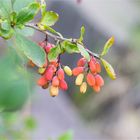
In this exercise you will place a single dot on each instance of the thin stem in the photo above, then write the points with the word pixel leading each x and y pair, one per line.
pixel 59 37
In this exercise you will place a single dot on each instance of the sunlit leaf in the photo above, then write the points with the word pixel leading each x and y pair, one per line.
pixel 107 46
pixel 82 34
pixel 83 52
pixel 109 69
pixel 66 136
pixel 49 18
pixel 43 7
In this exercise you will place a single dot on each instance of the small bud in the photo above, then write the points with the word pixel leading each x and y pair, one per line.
pixel 41 70
pixel 48 47
pixel 99 80
pixel 96 88
pixel 81 62
pixel 76 71
pixel 68 70
pixel 90 79
pixel 79 79
pixel 98 67
pixel 54 91
pixel 61 74
pixel 63 85
pixel 55 81
pixel 83 88
pixel 41 81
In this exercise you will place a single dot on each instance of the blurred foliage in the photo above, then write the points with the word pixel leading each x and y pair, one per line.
pixel 11 129
pixel 15 82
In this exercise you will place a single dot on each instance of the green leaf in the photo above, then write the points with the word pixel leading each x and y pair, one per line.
pixel 6 34
pixel 43 7
pixel 70 47
pixel 107 46
pixel 49 18
pixel 82 34
pixel 66 136
pixel 19 4
pixel 13 18
pixel 5 25
pixel 26 31
pixel 5 8
pixel 54 53
pixel 109 69
pixel 31 50
pixel 30 123
pixel 83 51
pixel 28 13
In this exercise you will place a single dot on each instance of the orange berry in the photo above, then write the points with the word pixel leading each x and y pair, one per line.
pixel 63 85
pixel 81 62
pixel 90 79
pixel 55 63
pixel 98 67
pixel 92 66
pixel 49 74
pixel 76 71
pixel 46 85
pixel 41 81
pixel 99 80
pixel 55 81
pixel 61 74
pixel 96 88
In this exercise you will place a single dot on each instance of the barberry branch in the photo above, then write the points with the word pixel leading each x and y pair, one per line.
pixel 59 37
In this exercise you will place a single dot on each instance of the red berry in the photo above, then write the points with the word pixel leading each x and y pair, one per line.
pixel 90 79
pixel 99 80
pixel 76 71
pixel 92 66
pixel 98 67
pixel 81 62
pixel 42 44
pixel 96 88
pixel 55 63
pixel 48 47
pixel 55 81
pixel 41 81
pixel 61 74
pixel 49 74
pixel 63 85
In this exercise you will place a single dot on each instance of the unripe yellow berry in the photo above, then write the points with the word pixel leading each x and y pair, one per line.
pixel 41 70
pixel 68 70
pixel 83 88
pixel 79 79
pixel 54 91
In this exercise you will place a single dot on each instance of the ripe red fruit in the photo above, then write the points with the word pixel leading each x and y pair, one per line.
pixel 76 71
pixel 41 81
pixel 55 63
pixel 90 79
pixel 61 74
pixel 55 81
pixel 92 66
pixel 42 44
pixel 99 80
pixel 96 88
pixel 63 85
pixel 81 62
pixel 98 67
pixel 48 47
pixel 49 74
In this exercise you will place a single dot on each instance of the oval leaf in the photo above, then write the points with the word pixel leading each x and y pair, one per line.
pixel 26 14
pixel 109 69
pixel 83 52
pixel 107 46
pixel 49 18
pixel 31 50
pixel 82 34
pixel 54 53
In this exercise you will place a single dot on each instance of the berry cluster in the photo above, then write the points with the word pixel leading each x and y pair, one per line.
pixel 90 71
pixel 52 75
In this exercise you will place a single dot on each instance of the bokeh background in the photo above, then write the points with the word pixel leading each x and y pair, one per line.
pixel 28 113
